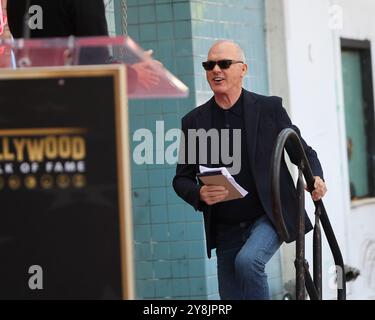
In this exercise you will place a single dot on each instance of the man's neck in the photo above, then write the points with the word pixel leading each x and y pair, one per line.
pixel 226 101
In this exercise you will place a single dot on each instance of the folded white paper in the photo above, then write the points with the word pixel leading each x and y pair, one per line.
pixel 224 171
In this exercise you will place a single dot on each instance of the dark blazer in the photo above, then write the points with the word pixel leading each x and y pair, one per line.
pixel 264 119
pixel 61 18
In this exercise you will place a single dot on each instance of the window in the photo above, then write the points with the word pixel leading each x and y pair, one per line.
pixel 359 116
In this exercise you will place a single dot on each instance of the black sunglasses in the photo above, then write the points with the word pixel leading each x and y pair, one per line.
pixel 223 64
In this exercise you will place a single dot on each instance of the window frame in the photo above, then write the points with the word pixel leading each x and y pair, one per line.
pixel 363 47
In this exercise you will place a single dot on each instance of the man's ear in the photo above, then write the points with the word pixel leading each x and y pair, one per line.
pixel 244 69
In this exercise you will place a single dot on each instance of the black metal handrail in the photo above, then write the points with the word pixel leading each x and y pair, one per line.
pixel 303 277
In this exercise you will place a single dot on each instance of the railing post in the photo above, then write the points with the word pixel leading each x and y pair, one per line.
pixel 303 277
pixel 339 262
pixel 310 286
pixel 300 245
pixel 317 254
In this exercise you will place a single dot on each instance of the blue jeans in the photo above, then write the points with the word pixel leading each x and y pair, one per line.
pixel 242 253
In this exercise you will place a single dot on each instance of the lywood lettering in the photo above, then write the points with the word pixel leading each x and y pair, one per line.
pixel 42 149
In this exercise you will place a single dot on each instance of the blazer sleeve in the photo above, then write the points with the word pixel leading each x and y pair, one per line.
pixel 185 181
pixel 284 122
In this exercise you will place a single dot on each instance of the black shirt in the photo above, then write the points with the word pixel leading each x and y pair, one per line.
pixel 248 208
pixel 61 18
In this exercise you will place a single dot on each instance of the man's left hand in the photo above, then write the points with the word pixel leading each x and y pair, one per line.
pixel 320 189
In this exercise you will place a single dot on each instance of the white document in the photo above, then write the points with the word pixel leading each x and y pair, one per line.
pixel 225 173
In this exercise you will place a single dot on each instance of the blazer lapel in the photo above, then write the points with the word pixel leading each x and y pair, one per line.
pixel 204 121
pixel 251 118
pixel 204 118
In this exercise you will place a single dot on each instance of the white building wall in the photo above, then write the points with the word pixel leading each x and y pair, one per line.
pixel 313 31
pixel 359 24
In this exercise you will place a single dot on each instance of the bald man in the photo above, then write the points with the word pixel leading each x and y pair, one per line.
pixel 247 124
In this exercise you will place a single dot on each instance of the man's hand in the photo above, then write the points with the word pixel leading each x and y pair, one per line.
pixel 213 194
pixel 320 189
pixel 147 77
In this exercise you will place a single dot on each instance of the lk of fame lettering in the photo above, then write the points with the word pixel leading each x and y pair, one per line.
pixel 48 158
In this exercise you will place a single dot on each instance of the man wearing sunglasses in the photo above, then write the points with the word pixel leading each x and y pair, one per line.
pixel 242 230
